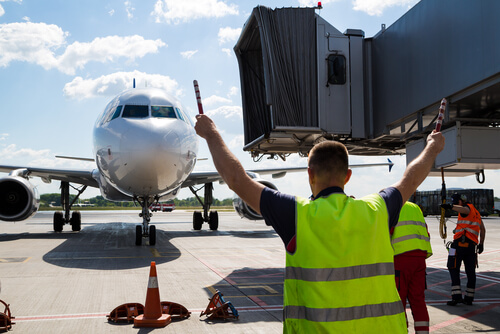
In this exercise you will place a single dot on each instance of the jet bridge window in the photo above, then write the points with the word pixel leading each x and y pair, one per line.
pixel 135 112
pixel 163 112
pixel 336 70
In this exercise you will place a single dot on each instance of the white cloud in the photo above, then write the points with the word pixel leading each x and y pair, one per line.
pixel 111 12
pixel 129 9
pixel 2 11
pixel 37 43
pixel 112 84
pixel 227 51
pixel 106 49
pixel 377 7
pixel 214 99
pixel 3 136
pixel 233 91
pixel 188 54
pixel 226 111
pixel 228 34
pixel 12 152
pixel 236 142
pixel 175 12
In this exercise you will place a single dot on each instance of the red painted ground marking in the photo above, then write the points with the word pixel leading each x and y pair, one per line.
pixel 439 293
pixel 258 301
pixel 463 317
pixel 224 277
pixel 102 315
pixel 485 286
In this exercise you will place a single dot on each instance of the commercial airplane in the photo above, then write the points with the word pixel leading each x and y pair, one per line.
pixel 145 149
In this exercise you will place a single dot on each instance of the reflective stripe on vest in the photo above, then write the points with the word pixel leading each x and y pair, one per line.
pixel 341 276
pixel 411 233
pixel 470 225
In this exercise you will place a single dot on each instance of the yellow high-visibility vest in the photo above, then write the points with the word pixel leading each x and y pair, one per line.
pixel 340 279
pixel 411 233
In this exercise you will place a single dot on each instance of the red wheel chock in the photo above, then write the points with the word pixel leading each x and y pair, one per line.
pixel 176 311
pixel 126 312
pixel 6 318
pixel 218 308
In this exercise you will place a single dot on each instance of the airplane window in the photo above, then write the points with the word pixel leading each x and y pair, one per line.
pixel 135 111
pixel 181 116
pixel 163 112
pixel 117 113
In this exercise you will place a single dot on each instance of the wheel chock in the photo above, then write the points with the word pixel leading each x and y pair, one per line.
pixel 126 312
pixel 218 308
pixel 176 311
pixel 6 318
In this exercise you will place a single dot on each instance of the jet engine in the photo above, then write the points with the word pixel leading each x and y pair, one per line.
pixel 246 211
pixel 18 198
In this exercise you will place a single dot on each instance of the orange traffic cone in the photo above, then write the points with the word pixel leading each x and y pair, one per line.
pixel 153 316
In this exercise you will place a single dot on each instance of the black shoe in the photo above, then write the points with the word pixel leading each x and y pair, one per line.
pixel 468 302
pixel 454 302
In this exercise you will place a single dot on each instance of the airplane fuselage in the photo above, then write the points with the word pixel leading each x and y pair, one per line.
pixel 144 145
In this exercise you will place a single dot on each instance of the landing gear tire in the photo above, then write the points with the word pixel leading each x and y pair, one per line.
pixel 213 220
pixel 152 235
pixel 58 221
pixel 197 220
pixel 76 221
pixel 138 235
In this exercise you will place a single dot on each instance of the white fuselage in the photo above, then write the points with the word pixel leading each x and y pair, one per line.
pixel 144 145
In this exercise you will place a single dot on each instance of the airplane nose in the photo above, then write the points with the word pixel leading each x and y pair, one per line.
pixel 151 159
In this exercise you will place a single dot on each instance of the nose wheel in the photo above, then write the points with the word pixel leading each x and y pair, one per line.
pixel 145 230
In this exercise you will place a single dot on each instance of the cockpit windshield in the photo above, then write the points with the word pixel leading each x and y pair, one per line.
pixel 163 112
pixel 132 111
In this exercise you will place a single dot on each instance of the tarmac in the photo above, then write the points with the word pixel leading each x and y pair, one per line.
pixel 68 282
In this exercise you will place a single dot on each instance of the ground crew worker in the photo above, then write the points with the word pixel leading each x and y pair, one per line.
pixel 469 233
pixel 339 273
pixel 412 245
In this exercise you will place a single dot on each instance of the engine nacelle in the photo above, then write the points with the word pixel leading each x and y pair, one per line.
pixel 19 200
pixel 243 209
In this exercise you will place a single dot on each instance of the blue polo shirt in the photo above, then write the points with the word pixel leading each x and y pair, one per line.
pixel 279 210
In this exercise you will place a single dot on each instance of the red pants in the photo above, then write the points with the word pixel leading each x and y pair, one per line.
pixel 410 281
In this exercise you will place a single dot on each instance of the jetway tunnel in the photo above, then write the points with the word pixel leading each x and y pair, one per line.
pixel 303 81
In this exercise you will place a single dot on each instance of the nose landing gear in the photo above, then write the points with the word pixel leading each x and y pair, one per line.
pixel 145 230
pixel 210 217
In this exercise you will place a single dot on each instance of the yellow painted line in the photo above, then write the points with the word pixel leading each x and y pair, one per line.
pixel 155 252
pixel 211 289
pixel 265 287
pixel 27 259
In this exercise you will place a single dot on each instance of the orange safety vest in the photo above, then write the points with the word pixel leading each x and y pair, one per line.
pixel 469 225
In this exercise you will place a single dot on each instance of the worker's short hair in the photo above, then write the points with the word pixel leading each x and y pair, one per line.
pixel 329 159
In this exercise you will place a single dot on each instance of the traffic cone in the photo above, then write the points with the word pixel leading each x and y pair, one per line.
pixel 153 316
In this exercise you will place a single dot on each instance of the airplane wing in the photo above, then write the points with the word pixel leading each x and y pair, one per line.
pixel 196 178
pixel 83 177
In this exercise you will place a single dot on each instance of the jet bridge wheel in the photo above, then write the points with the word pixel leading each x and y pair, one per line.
pixel 197 220
pixel 138 235
pixel 58 221
pixel 213 220
pixel 76 221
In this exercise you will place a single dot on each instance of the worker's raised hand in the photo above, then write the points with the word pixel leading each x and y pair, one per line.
pixel 435 141
pixel 205 127
pixel 447 206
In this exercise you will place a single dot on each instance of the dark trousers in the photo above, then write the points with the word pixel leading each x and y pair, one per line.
pixel 467 255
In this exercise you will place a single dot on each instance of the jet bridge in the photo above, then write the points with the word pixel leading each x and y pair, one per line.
pixel 303 81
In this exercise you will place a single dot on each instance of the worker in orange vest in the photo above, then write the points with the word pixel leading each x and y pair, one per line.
pixel 468 236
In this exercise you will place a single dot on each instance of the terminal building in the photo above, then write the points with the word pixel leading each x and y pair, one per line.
pixel 304 81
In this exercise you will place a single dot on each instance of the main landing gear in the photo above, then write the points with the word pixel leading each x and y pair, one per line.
pixel 145 230
pixel 62 218
pixel 212 217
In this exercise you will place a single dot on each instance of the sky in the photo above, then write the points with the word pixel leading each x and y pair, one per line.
pixel 62 61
